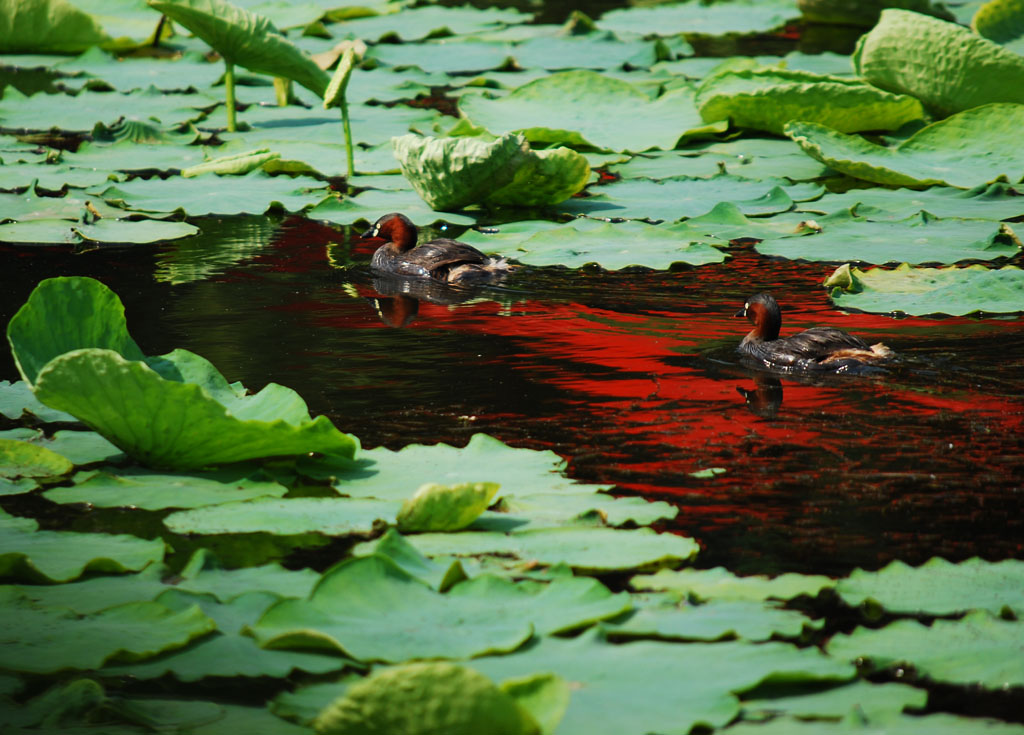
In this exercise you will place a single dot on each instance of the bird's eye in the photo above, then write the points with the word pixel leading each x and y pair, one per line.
pixel 746 306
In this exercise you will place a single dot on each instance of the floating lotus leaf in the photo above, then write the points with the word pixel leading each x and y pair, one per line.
pixel 558 509
pixel 721 584
pixel 246 39
pixel 394 475
pixel 977 649
pixel 432 20
pixel 203 574
pixel 47 26
pixel 51 640
pixel 368 206
pixel 1000 20
pixel 60 556
pixel 227 653
pixel 253 193
pixel 592 51
pixel 584 548
pixel 666 618
pixel 169 74
pixel 21 459
pixel 331 516
pixel 235 164
pixel 966 150
pixel 17 400
pixel 129 156
pixel 884 724
pixel 920 291
pixel 612 246
pixel 439 575
pixel 748 158
pixel 371 609
pixel 99 592
pixel 653 686
pixel 921 238
pixel 19 486
pixel 735 16
pixel 29 206
pixel 939 587
pixel 53 178
pixel 871 699
pixel 584 108
pixel 447 55
pixel 864 12
pixel 425 698
pixel 103 231
pixel 140 488
pixel 992 201
pixel 946 66
pixel 437 507
pixel 81 447
pixel 768 98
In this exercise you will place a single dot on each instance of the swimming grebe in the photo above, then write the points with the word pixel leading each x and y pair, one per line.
pixel 444 260
pixel 818 348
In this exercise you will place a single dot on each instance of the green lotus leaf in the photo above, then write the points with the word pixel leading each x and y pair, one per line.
pixel 253 193
pixel 767 98
pixel 596 51
pixel 966 150
pixel 80 447
pixel 946 66
pixel 61 705
pixel 1001 21
pixel 664 617
pixel 939 587
pixel 47 26
pixel 204 574
pixel 424 698
pixel 546 177
pixel 52 178
pixel 18 400
pixel 413 24
pixel 331 516
pixel 437 507
pixel 558 509
pixel 584 108
pixel 735 16
pixel 395 474
pixel 920 291
pixel 864 12
pixel 748 158
pixel 29 206
pixel 102 231
pixel 921 238
pixel 371 609
pixel 441 576
pixel 616 693
pixel 22 459
pixel 581 547
pixel 227 653
pixel 871 699
pixel 246 39
pixel 446 55
pixel 883 724
pixel 236 164
pixel 51 640
pixel 99 592
pixel 992 201
pixel 978 649
pixel 19 486
pixel 721 584
pixel 676 199
pixel 170 74
pixel 368 206
pixel 612 246
pixel 130 157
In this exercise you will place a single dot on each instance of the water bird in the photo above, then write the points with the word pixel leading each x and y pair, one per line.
pixel 817 349
pixel 448 261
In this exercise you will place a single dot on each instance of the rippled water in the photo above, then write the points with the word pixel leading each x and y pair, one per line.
pixel 630 376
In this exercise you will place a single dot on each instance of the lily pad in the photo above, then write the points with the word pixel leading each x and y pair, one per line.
pixel 415 24
pixel 368 206
pixel 21 459
pixel 939 587
pixel 721 584
pixel 584 108
pixel 331 516
pixel 884 724
pixel 584 548
pixel 439 575
pixel 978 649
pixel 966 150
pixel 17 400
pixel 733 17
pixel 920 291
pixel 612 246
pixel 448 55
pixel 51 640
pixel 768 98
pixel 191 71
pixel 204 574
pixel 29 206
pixel 60 556
pixel 592 51
pixel 81 447
pixel 371 609
pixel 946 66
pixel 60 232
pixel 557 509
pixel 918 239
pixel 992 201
pixel 53 178
pixel 835 703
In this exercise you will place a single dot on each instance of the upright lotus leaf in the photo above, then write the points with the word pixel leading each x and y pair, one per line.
pixel 59 556
pixel 721 584
pixel 1000 20
pixel 546 177
pixel 864 12
pixel 246 39
pixel 946 66
pixel 64 314
pixel 439 575
pixel 371 609
pixel 659 687
pixel 587 109
pixel 47 26
pixel 51 639
pixel 978 649
pixel 939 587
pixel 437 507
pixel 426 698
pixel 768 98
pixel 969 149
pixel 920 291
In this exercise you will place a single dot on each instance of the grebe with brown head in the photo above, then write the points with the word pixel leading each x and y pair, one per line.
pixel 449 261
pixel 817 349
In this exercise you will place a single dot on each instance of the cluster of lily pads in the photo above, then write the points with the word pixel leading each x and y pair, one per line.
pixel 473 593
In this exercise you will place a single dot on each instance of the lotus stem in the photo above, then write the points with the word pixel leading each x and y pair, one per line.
pixel 282 89
pixel 348 141
pixel 229 93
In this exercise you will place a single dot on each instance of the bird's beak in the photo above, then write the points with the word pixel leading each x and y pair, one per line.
pixel 368 233
pixel 741 312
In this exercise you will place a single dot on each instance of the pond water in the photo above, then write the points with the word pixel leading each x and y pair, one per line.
pixel 631 376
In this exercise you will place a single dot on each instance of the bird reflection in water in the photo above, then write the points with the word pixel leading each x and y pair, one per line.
pixel 398 299
pixel 765 398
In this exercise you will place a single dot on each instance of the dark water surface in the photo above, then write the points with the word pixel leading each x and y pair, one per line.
pixel 632 377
